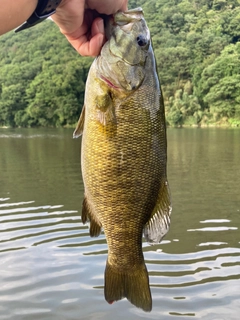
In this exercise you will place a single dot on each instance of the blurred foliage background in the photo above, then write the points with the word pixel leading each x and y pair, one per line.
pixel 197 48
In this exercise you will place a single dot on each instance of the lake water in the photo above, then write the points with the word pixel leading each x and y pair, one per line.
pixel 51 269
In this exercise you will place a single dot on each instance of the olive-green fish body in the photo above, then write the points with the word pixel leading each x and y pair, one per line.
pixel 124 157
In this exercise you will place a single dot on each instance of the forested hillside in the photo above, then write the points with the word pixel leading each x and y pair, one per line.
pixel 197 48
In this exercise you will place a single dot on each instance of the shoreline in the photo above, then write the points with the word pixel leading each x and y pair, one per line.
pixel 195 126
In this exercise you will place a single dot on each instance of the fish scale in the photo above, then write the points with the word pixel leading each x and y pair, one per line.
pixel 124 155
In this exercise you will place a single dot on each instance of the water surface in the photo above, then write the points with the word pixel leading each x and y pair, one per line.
pixel 50 269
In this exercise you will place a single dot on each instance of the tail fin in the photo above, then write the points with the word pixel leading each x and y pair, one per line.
pixel 134 285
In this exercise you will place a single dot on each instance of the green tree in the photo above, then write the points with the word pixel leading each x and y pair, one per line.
pixel 196 44
pixel 220 83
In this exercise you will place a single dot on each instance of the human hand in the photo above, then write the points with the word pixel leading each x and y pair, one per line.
pixel 80 22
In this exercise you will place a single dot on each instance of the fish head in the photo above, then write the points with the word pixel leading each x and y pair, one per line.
pixel 122 60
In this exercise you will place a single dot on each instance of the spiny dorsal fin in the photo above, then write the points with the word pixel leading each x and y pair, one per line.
pixel 80 125
pixel 159 222
pixel 88 215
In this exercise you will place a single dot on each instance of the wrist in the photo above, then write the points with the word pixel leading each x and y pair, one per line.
pixel 43 10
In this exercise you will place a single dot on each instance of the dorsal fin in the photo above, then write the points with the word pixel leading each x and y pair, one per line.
pixel 80 125
pixel 159 222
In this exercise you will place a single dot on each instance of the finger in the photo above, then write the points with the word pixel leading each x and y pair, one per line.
pixel 124 6
pixel 97 27
pixel 95 44
pixel 87 47
pixel 107 6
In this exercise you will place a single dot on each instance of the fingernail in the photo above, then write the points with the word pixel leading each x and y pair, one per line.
pixel 101 41
pixel 100 25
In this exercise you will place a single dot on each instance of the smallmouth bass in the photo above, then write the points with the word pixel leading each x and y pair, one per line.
pixel 124 155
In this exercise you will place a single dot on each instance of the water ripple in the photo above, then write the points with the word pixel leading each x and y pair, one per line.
pixel 56 260
pixel 22 225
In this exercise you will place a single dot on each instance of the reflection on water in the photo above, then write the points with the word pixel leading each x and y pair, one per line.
pixel 51 269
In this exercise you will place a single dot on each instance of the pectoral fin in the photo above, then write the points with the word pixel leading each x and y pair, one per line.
pixel 79 128
pixel 159 222
pixel 105 109
pixel 88 215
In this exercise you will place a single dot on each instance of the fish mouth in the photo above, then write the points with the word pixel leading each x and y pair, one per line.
pixel 109 83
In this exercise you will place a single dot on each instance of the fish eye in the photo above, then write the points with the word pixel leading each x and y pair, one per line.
pixel 141 40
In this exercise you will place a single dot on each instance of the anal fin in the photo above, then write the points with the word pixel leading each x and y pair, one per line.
pixel 158 224
pixel 88 215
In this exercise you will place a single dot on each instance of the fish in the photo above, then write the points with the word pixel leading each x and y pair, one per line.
pixel 124 156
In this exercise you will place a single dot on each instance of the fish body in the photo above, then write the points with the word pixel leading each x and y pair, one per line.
pixel 124 156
